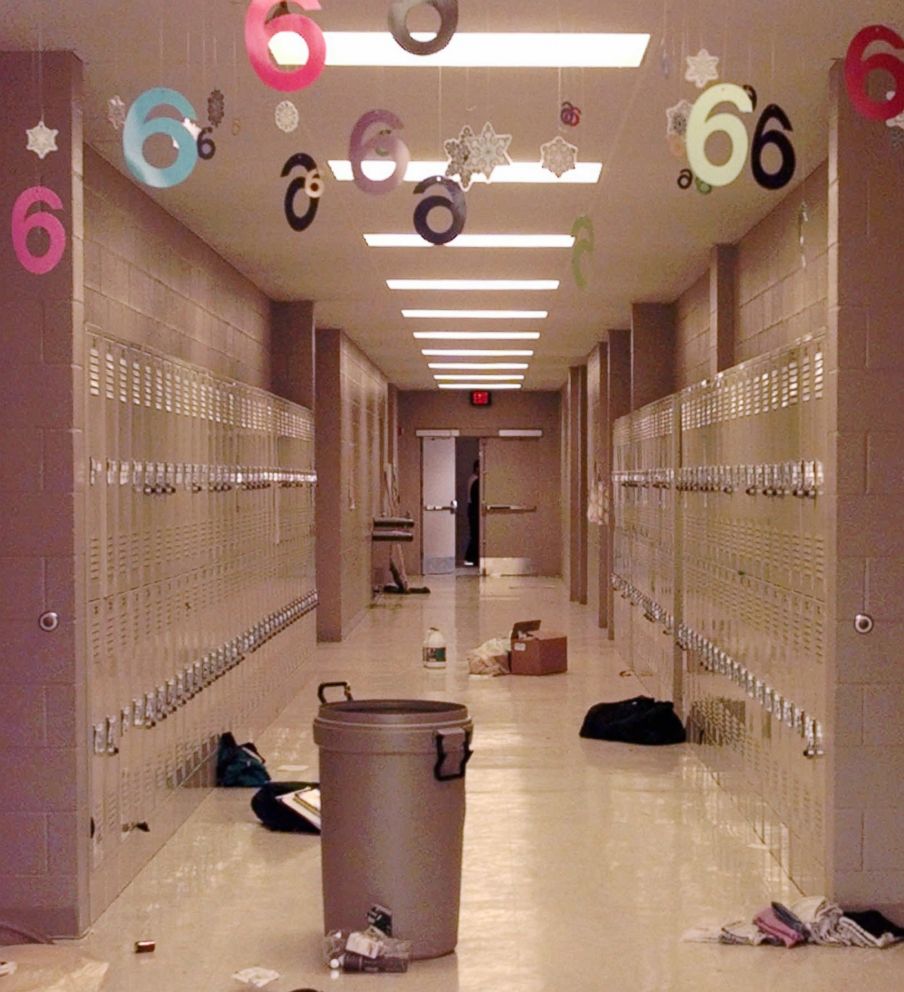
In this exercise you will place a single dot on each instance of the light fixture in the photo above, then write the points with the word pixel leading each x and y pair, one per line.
pixel 477 385
pixel 477 314
pixel 477 335
pixel 583 173
pixel 474 353
pixel 522 49
pixel 485 366
pixel 475 285
pixel 519 241
pixel 482 378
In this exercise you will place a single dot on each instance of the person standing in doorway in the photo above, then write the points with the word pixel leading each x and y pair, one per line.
pixel 472 555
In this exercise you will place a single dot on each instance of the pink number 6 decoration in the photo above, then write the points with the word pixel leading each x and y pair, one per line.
pixel 259 31
pixel 23 222
pixel 380 144
pixel 857 70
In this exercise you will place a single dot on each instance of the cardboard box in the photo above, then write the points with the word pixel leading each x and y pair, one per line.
pixel 539 654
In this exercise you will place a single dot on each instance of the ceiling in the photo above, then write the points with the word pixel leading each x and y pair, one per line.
pixel 651 238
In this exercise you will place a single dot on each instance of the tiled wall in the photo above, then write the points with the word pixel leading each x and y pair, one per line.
pixel 352 448
pixel 43 765
pixel 782 286
pixel 865 375
pixel 693 343
pixel 149 281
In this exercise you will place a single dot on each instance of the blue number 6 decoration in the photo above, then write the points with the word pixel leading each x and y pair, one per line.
pixel 138 129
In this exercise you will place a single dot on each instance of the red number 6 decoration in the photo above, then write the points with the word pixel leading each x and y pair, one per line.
pixel 259 31
pixel 857 70
pixel 382 144
pixel 23 222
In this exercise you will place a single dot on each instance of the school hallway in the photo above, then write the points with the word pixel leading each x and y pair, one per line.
pixel 584 861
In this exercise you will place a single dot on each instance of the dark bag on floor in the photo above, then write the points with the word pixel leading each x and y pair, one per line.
pixel 239 764
pixel 276 815
pixel 640 720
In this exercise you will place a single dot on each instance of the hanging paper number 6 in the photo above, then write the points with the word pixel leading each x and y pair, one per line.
pixel 206 146
pixel 857 70
pixel 23 222
pixel 398 25
pixel 455 204
pixel 311 184
pixel 700 126
pixel 383 144
pixel 762 138
pixel 581 247
pixel 138 129
pixel 259 31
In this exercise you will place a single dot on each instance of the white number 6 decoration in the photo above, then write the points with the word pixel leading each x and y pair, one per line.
pixel 398 16
pixel 455 203
pixel 382 144
pixel 700 126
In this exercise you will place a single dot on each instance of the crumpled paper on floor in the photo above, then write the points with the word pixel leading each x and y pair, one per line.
pixel 256 977
pixel 51 968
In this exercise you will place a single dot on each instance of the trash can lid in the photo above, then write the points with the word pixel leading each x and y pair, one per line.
pixel 394 712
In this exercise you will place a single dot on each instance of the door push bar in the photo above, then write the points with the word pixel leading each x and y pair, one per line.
pixel 508 507
pixel 451 507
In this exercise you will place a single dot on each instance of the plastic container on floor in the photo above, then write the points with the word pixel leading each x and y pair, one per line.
pixel 392 784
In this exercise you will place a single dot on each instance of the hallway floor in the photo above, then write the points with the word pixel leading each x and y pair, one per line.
pixel 583 861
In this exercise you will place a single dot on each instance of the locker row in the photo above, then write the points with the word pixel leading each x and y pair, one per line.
pixel 155 705
pixel 144 378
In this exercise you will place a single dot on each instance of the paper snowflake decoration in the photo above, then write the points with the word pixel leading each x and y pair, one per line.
pixel 702 68
pixel 558 156
pixel 216 107
pixel 489 149
pixel 116 112
pixel 677 118
pixel 286 116
pixel 42 139
pixel 459 152
pixel 894 121
pixel 193 129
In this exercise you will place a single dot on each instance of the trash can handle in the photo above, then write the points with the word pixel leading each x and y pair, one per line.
pixel 321 695
pixel 441 754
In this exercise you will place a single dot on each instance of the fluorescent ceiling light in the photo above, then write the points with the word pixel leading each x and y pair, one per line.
pixel 482 378
pixel 477 285
pixel 522 49
pixel 478 385
pixel 473 241
pixel 583 173
pixel 491 49
pixel 477 335
pixel 487 366
pixel 474 353
pixel 478 314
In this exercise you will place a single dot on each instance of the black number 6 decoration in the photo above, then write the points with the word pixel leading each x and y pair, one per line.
pixel 206 147
pixel 398 17
pixel 455 203
pixel 761 138
pixel 309 184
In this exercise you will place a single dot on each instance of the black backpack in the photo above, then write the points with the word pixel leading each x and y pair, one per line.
pixel 640 720
pixel 276 815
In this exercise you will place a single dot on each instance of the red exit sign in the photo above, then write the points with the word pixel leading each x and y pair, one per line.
pixel 481 397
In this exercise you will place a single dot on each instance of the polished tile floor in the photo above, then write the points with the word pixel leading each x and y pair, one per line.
pixel 583 861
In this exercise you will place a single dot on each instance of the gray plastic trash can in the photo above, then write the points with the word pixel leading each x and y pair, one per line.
pixel 392 787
